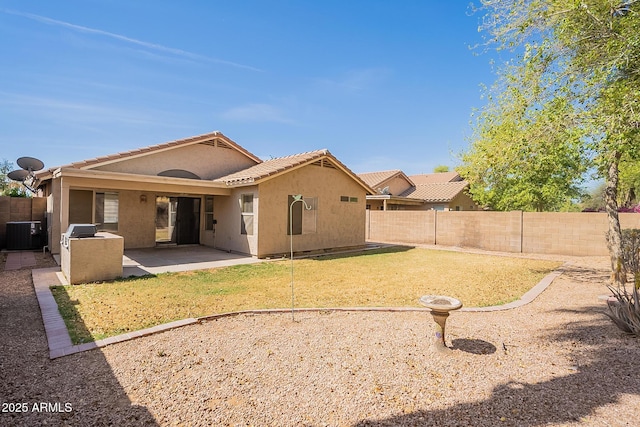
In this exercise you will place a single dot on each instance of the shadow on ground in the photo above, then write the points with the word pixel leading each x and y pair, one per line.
pixel 76 390
pixel 608 372
pixel 474 346
pixel 364 253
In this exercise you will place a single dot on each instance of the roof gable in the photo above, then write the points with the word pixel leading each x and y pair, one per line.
pixel 277 166
pixel 215 138
pixel 429 178
pixel 380 181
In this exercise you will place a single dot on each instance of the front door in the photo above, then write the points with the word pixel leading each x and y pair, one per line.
pixel 177 220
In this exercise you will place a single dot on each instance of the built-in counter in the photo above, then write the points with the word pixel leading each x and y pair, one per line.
pixel 92 259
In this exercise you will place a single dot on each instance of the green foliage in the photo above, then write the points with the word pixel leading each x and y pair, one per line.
pixel 5 167
pixel 441 169
pixel 17 192
pixel 629 189
pixel 525 155
pixel 594 200
pixel 588 52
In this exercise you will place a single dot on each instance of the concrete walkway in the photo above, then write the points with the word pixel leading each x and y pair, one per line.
pixel 18 260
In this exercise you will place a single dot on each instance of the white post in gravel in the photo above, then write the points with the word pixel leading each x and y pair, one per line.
pixel 296 198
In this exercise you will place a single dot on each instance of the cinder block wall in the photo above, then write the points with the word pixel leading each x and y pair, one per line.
pixel 417 227
pixel 20 209
pixel 493 231
pixel 579 234
pixel 565 233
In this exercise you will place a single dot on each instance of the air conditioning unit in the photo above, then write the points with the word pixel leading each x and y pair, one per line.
pixel 24 235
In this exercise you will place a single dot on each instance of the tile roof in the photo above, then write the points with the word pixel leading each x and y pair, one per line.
pixel 88 164
pixel 429 178
pixel 271 167
pixel 276 166
pixel 436 191
pixel 374 179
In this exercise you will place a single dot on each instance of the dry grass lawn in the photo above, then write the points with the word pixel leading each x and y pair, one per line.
pixel 390 277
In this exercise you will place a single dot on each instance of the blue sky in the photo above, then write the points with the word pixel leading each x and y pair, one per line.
pixel 381 84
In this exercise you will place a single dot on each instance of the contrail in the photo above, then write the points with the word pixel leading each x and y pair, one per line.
pixel 171 50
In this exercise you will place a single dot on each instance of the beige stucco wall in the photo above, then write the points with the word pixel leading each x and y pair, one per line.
pixel 227 212
pixel 339 224
pixel 203 160
pixel 397 185
pixel 136 219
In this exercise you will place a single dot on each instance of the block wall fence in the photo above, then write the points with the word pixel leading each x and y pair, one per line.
pixel 578 234
pixel 20 209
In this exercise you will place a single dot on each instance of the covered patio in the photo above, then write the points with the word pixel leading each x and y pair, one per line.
pixel 139 262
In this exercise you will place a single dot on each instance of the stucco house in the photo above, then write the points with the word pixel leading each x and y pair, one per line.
pixel 209 190
pixel 396 191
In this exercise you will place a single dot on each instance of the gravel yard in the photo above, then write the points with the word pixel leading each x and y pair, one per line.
pixel 557 361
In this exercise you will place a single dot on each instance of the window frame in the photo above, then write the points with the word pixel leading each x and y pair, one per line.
pixel 246 216
pixel 100 210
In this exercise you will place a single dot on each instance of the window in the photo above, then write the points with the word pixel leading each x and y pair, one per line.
pixel 348 199
pixel 246 223
pixel 208 213
pixel 304 215
pixel 457 208
pixel 107 211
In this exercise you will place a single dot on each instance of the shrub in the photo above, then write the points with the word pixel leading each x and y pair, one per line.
pixel 624 307
pixel 624 310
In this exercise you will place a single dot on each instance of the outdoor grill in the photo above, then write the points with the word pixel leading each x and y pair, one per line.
pixel 78 230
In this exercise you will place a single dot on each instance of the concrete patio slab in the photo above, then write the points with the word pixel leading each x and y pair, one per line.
pixel 139 262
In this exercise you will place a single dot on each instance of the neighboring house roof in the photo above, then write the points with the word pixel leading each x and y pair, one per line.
pixel 425 188
pixel 382 182
pixel 429 178
pixel 436 191
pixel 376 179
pixel 277 166
pixel 213 138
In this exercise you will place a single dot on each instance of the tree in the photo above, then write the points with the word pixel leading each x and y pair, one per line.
pixel 629 192
pixel 525 156
pixel 5 167
pixel 587 52
pixel 441 169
